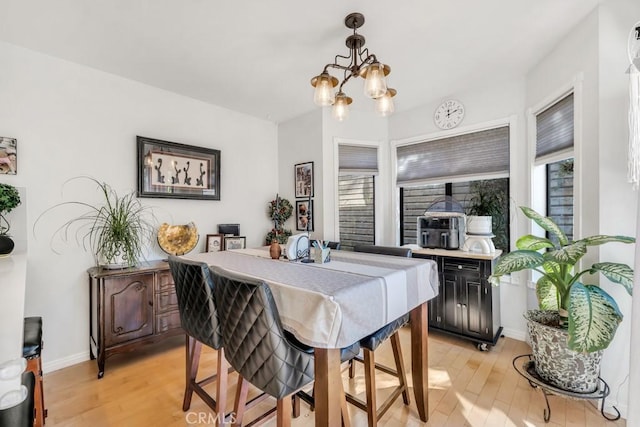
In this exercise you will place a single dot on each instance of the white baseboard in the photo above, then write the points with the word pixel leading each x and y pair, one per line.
pixel 515 334
pixel 64 362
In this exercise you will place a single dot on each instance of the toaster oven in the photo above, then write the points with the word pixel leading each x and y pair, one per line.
pixel 443 230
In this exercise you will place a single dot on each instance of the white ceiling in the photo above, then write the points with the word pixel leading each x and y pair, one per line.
pixel 257 57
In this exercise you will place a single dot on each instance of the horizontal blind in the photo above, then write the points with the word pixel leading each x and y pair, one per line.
pixel 357 159
pixel 472 153
pixel 356 204
pixel 554 127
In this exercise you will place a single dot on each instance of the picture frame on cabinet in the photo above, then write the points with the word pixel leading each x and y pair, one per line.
pixel 214 243
pixel 234 242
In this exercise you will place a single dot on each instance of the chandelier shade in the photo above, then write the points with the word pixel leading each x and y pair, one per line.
pixel 359 63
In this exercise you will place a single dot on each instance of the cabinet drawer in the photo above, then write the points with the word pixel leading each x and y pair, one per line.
pixel 167 321
pixel 461 265
pixel 165 281
pixel 166 301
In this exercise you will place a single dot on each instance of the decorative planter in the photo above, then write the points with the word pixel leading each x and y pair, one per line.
pixel 554 361
pixel 6 245
pixel 479 224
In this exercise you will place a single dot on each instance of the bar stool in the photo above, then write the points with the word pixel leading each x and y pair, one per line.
pixel 31 350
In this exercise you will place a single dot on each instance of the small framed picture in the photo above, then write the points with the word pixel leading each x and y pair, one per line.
pixel 229 229
pixel 214 243
pixel 8 156
pixel 234 242
pixel 304 215
pixel 304 179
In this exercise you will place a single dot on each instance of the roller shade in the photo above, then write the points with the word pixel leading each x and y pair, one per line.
pixel 469 154
pixel 554 128
pixel 357 159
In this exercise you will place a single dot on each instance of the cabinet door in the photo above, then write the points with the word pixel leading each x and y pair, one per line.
pixel 436 306
pixel 128 307
pixel 451 299
pixel 473 306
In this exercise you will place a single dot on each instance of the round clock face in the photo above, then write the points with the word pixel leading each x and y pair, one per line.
pixel 449 114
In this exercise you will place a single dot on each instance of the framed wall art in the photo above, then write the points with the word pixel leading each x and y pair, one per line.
pixel 304 214
pixel 214 243
pixel 304 179
pixel 178 171
pixel 8 156
pixel 234 242
pixel 229 229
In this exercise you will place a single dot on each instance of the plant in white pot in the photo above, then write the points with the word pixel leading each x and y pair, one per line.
pixel 117 231
pixel 576 321
pixel 9 199
pixel 487 210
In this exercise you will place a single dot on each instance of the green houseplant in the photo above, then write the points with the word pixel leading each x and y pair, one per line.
pixel 587 313
pixel 488 208
pixel 117 231
pixel 9 199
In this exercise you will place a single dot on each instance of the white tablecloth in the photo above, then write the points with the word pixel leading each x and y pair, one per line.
pixel 335 304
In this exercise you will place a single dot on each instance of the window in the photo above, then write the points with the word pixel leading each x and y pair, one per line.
pixel 456 167
pixel 553 171
pixel 358 167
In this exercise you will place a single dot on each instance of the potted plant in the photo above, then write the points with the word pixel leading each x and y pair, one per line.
pixel 280 210
pixel 576 321
pixel 487 210
pixel 9 199
pixel 117 231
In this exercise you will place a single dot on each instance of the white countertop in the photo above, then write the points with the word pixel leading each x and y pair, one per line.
pixel 13 277
pixel 458 253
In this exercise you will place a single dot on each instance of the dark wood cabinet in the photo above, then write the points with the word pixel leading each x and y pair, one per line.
pixel 467 305
pixel 129 308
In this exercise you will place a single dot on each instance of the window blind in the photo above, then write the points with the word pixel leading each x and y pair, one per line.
pixel 554 127
pixel 357 159
pixel 473 153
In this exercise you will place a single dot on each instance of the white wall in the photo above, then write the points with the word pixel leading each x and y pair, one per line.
pixel 71 120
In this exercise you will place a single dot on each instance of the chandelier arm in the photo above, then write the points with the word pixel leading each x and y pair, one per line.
pixel 346 79
pixel 338 66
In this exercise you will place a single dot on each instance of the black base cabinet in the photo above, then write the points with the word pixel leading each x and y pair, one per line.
pixel 467 306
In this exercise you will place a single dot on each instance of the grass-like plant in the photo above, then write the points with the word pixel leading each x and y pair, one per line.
pixel 116 231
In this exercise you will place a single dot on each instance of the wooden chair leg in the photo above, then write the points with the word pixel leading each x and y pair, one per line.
pixel 35 365
pixel 346 421
pixel 192 355
pixel 296 406
pixel 352 369
pixel 402 374
pixel 222 383
pixel 283 412
pixel 242 389
pixel 370 386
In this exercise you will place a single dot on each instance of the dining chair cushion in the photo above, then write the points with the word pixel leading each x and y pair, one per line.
pixel 346 353
pixel 253 337
pixel 372 341
pixel 194 290
pixel 384 250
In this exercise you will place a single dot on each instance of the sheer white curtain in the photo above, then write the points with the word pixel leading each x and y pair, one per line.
pixel 633 413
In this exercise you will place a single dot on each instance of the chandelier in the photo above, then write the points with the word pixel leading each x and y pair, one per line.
pixel 361 64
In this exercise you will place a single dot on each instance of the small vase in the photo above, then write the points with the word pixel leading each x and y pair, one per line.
pixel 275 250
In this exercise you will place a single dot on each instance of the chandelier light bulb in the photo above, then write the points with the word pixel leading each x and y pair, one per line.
pixel 324 84
pixel 375 84
pixel 341 107
pixel 384 104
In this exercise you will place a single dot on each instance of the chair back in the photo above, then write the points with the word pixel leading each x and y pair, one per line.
pixel 254 341
pixel 384 250
pixel 194 290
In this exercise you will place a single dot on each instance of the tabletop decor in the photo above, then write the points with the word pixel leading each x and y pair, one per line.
pixel 177 239
pixel 576 321
pixel 116 231
pixel 279 210
pixel 178 171
pixel 214 243
pixel 9 199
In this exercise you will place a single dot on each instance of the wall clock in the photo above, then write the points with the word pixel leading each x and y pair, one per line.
pixel 449 114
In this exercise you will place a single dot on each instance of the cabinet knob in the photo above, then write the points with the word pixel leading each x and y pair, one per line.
pixel 458 305
pixel 459 267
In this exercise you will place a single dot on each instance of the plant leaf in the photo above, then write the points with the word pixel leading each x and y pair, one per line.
pixel 602 239
pixel 593 318
pixel 516 261
pixel 570 254
pixel 533 243
pixel 547 294
pixel 546 223
pixel 617 273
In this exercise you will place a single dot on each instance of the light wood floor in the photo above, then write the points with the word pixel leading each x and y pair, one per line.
pixel 466 388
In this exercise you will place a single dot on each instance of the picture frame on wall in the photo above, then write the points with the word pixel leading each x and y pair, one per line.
pixel 303 179
pixel 8 156
pixel 234 242
pixel 178 171
pixel 214 243
pixel 304 213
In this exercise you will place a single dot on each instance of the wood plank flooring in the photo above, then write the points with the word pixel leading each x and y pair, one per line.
pixel 466 388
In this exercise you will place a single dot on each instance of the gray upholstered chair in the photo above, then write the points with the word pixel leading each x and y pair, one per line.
pixel 370 343
pixel 257 346
pixel 198 315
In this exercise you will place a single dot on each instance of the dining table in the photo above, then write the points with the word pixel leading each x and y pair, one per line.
pixel 334 304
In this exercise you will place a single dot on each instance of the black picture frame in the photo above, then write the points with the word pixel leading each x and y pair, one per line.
pixel 177 171
pixel 234 242
pixel 214 243
pixel 303 179
pixel 227 229
pixel 302 206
